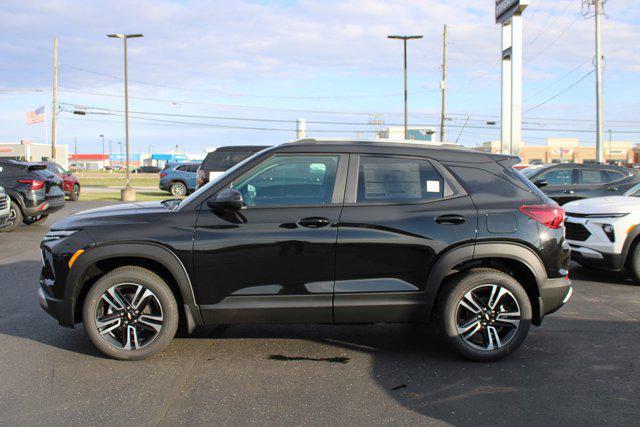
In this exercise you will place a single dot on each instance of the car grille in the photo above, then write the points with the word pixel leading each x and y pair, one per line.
pixel 3 202
pixel 577 232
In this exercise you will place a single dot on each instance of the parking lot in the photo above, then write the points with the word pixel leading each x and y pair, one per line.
pixel 580 367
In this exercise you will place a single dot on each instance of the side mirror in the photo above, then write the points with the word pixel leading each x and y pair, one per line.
pixel 541 183
pixel 228 199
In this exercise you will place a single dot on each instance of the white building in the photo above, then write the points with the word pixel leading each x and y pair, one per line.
pixel 30 152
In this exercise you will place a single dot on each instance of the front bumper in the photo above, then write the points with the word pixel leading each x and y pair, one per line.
pixel 593 258
pixel 4 220
pixel 57 308
pixel 554 293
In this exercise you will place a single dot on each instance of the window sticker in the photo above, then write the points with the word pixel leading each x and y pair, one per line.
pixel 392 180
pixel 433 186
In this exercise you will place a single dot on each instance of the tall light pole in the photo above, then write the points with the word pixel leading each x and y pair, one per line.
pixel 127 194
pixel 404 42
pixel 443 84
pixel 599 104
pixel 102 136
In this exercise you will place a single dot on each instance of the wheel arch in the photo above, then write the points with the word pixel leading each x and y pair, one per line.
pixel 631 242
pixel 511 258
pixel 100 259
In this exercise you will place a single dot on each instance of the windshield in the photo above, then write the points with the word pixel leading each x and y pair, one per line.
pixel 633 191
pixel 529 171
pixel 220 177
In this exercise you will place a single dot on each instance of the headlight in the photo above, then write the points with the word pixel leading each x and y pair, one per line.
pixel 57 235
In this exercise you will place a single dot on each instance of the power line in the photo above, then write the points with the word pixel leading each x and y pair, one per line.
pixel 555 40
pixel 560 93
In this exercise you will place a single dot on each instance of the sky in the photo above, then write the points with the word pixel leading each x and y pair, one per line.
pixel 213 73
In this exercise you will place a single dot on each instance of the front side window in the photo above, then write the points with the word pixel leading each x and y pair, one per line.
pixel 286 180
pixel 398 180
pixel 557 177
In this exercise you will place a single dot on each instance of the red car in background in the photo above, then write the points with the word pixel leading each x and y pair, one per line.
pixel 70 182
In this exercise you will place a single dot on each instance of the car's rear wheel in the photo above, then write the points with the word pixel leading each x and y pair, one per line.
pixel 130 313
pixel 15 218
pixel 75 193
pixel 484 314
pixel 35 220
pixel 178 189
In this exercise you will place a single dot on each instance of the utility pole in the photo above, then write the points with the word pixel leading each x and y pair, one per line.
pixel 54 110
pixel 599 103
pixel 75 146
pixel 443 83
pixel 610 145
pixel 404 40
pixel 127 194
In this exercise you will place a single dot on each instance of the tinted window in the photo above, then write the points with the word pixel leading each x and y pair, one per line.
pixel 557 177
pixel 290 181
pixel 192 168
pixel 590 176
pixel 220 161
pixel 182 168
pixel 615 175
pixel 396 180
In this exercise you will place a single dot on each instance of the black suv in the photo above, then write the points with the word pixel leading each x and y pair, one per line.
pixel 34 191
pixel 319 232
pixel 566 182
pixel 222 159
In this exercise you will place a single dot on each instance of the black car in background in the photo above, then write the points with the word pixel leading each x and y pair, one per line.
pixel 146 169
pixel 565 182
pixel 35 192
pixel 222 159
pixel 320 232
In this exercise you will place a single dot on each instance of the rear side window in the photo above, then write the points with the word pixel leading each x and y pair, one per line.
pixel 220 161
pixel 615 175
pixel 591 176
pixel 398 180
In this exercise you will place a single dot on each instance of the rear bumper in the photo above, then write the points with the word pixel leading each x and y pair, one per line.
pixel 554 293
pixel 45 207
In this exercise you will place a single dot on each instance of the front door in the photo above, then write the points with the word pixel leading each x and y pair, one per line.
pixel 400 213
pixel 560 184
pixel 274 261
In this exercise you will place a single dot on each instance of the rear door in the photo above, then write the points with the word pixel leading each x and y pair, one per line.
pixel 400 213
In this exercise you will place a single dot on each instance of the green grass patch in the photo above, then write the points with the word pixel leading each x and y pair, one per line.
pixel 141 196
pixel 117 179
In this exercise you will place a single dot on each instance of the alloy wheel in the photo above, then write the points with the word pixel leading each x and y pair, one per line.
pixel 178 189
pixel 488 317
pixel 128 316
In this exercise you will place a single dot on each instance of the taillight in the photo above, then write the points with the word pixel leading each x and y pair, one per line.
pixel 551 216
pixel 34 184
pixel 163 174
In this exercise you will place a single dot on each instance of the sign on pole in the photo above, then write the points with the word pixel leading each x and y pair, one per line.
pixel 505 9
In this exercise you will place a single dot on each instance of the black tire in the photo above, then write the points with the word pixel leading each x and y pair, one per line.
pixel 178 188
pixel 75 193
pixel 35 220
pixel 15 218
pixel 149 281
pixel 634 264
pixel 449 313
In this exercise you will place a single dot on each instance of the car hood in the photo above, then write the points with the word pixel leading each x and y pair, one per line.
pixel 142 212
pixel 600 205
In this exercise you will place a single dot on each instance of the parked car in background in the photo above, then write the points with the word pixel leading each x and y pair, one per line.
pixel 604 232
pixel 222 159
pixel 179 178
pixel 5 208
pixel 320 232
pixel 70 182
pixel 146 169
pixel 34 191
pixel 573 181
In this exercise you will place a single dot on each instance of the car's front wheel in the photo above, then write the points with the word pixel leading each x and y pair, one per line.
pixel 75 193
pixel 634 263
pixel 484 314
pixel 15 218
pixel 130 313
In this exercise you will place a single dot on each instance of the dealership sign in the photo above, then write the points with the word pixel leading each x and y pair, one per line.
pixel 505 9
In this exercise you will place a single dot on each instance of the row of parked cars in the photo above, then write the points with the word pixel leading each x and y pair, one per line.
pixel 30 192
pixel 602 204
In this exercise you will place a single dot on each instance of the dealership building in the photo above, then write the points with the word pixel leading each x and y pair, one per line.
pixel 30 152
pixel 569 150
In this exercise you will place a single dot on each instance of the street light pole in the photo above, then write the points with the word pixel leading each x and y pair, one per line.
pixel 404 42
pixel 128 194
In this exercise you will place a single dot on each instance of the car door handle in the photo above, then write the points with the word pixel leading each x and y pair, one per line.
pixel 450 219
pixel 313 222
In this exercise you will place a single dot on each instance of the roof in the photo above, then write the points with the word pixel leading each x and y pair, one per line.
pixel 446 151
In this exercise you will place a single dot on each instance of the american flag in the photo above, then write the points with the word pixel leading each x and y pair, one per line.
pixel 33 117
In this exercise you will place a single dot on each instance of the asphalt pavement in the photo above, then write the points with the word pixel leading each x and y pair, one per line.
pixel 581 367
